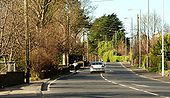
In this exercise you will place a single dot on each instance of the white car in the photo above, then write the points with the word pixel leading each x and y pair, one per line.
pixel 97 67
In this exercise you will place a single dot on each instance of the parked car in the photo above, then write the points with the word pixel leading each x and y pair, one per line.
pixel 97 67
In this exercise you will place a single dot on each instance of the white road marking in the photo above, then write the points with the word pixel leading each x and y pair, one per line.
pixel 142 75
pixel 132 87
pixel 151 93
pixel 108 80
pixel 48 87
pixel 49 84
pixel 123 85
pixel 140 85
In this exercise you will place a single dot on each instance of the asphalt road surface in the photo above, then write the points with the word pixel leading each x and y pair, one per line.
pixel 117 82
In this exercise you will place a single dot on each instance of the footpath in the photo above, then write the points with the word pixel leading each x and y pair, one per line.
pixel 33 89
pixel 144 73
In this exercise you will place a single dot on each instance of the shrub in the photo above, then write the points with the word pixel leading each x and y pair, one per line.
pixel 118 58
pixel 105 57
pixel 110 56
pixel 154 63
pixel 42 60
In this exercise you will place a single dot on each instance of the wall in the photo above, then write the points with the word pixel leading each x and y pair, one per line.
pixel 12 78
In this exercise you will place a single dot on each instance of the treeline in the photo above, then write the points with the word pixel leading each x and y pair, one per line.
pixel 54 27
pixel 107 38
pixel 107 41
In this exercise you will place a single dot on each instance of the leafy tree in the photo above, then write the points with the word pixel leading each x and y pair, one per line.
pixel 155 55
pixel 105 28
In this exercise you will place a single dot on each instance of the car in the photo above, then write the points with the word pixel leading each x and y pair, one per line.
pixel 97 66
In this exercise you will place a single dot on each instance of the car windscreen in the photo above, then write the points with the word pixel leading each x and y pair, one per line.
pixel 96 63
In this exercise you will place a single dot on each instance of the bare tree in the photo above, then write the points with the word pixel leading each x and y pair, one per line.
pixel 11 28
pixel 47 28
pixel 154 23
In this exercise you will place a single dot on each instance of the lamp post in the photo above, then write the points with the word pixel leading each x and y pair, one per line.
pixel 140 51
pixel 162 38
pixel 68 34
pixel 126 39
pixel 138 32
pixel 87 47
pixel 131 38
pixel 126 44
pixel 131 47
pixel 147 45
pixel 27 39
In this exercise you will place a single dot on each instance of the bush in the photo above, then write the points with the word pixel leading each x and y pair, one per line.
pixel 110 57
pixel 144 61
pixel 155 63
pixel 118 58
pixel 105 57
pixel 167 73
pixel 41 60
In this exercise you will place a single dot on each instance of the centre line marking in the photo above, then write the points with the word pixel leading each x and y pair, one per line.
pixel 140 85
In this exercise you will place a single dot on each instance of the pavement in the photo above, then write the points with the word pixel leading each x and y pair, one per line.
pixel 35 87
pixel 144 73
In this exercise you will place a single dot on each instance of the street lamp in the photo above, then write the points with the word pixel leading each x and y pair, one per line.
pixel 139 17
pixel 87 47
pixel 131 38
pixel 147 46
pixel 66 55
pixel 126 44
pixel 27 38
pixel 126 39
pixel 162 38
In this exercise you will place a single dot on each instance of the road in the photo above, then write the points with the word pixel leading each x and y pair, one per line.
pixel 117 82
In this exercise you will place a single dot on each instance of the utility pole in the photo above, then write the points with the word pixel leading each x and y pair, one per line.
pixel 68 35
pixel 162 38
pixel 140 51
pixel 131 43
pixel 138 39
pixel 115 41
pixel 125 46
pixel 83 50
pixel 66 54
pixel 138 34
pixel 1 27
pixel 27 42
pixel 87 47
pixel 147 46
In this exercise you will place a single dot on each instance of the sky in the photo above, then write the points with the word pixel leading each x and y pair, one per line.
pixel 120 7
